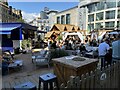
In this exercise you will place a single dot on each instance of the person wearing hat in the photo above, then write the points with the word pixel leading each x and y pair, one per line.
pixel 103 49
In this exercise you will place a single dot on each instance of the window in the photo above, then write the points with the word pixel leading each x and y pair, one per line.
pixel 67 18
pixel 110 14
pixel 62 19
pixel 110 4
pixel 91 8
pixel 100 6
pixel 58 20
pixel 90 27
pixel 118 24
pixel 118 4
pixel 99 16
pixel 98 25
pixel 109 24
pixel 91 18
pixel 118 14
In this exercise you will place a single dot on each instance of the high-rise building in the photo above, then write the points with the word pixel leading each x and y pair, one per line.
pixel 99 14
pixel 9 14
pixel 45 21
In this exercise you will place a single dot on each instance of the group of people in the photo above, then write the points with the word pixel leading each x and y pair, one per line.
pixel 70 43
pixel 108 50
pixel 109 54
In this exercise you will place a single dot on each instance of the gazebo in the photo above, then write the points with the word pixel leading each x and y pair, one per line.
pixel 65 30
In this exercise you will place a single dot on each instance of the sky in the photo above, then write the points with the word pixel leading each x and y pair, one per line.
pixel 30 10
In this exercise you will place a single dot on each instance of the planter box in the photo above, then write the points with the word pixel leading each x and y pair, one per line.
pixel 65 67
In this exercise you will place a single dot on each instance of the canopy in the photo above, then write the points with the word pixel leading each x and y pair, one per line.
pixel 5 32
pixel 6 28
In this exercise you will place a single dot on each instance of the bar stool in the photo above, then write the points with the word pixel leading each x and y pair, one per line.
pixel 48 79
pixel 25 86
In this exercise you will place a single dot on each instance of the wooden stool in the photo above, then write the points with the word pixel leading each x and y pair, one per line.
pixel 47 79
pixel 25 86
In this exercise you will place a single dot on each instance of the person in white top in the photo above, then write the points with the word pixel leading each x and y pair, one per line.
pixel 103 50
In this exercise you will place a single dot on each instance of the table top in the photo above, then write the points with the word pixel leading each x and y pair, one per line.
pixel 48 76
pixel 68 60
pixel 16 63
pixel 25 85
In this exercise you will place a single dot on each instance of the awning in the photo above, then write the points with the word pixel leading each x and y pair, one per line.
pixel 5 32
pixel 6 28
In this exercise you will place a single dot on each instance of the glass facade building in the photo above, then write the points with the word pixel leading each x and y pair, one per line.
pixel 101 14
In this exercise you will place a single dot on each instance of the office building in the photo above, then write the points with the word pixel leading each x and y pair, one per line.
pixel 99 14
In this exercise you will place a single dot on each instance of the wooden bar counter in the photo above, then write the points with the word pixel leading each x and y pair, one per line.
pixel 65 67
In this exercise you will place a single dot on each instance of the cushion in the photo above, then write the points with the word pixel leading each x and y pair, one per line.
pixel 43 52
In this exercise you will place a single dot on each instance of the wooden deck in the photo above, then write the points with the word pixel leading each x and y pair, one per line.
pixel 28 73
pixel 8 84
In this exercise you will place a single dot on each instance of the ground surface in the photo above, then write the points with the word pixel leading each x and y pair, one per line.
pixel 29 72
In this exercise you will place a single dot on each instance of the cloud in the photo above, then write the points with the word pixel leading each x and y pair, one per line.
pixel 29 16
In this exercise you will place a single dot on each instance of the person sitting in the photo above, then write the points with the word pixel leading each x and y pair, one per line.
pixel 54 45
pixel 82 49
pixel 5 63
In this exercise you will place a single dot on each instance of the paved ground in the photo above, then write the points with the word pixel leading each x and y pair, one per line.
pixel 29 69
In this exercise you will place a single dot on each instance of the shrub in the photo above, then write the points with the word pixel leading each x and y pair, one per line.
pixel 56 53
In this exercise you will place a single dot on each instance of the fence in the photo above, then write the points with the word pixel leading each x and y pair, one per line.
pixel 109 77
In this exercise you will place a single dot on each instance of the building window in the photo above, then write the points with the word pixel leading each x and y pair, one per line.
pixel 100 6
pixel 63 19
pixel 90 27
pixel 58 20
pixel 118 24
pixel 110 4
pixel 118 14
pixel 99 25
pixel 118 4
pixel 91 8
pixel 67 18
pixel 109 24
pixel 99 16
pixel 91 18
pixel 110 14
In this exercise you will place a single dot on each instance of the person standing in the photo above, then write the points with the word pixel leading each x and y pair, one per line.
pixel 103 50
pixel 116 49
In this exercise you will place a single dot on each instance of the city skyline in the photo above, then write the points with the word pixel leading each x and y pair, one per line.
pixel 31 10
